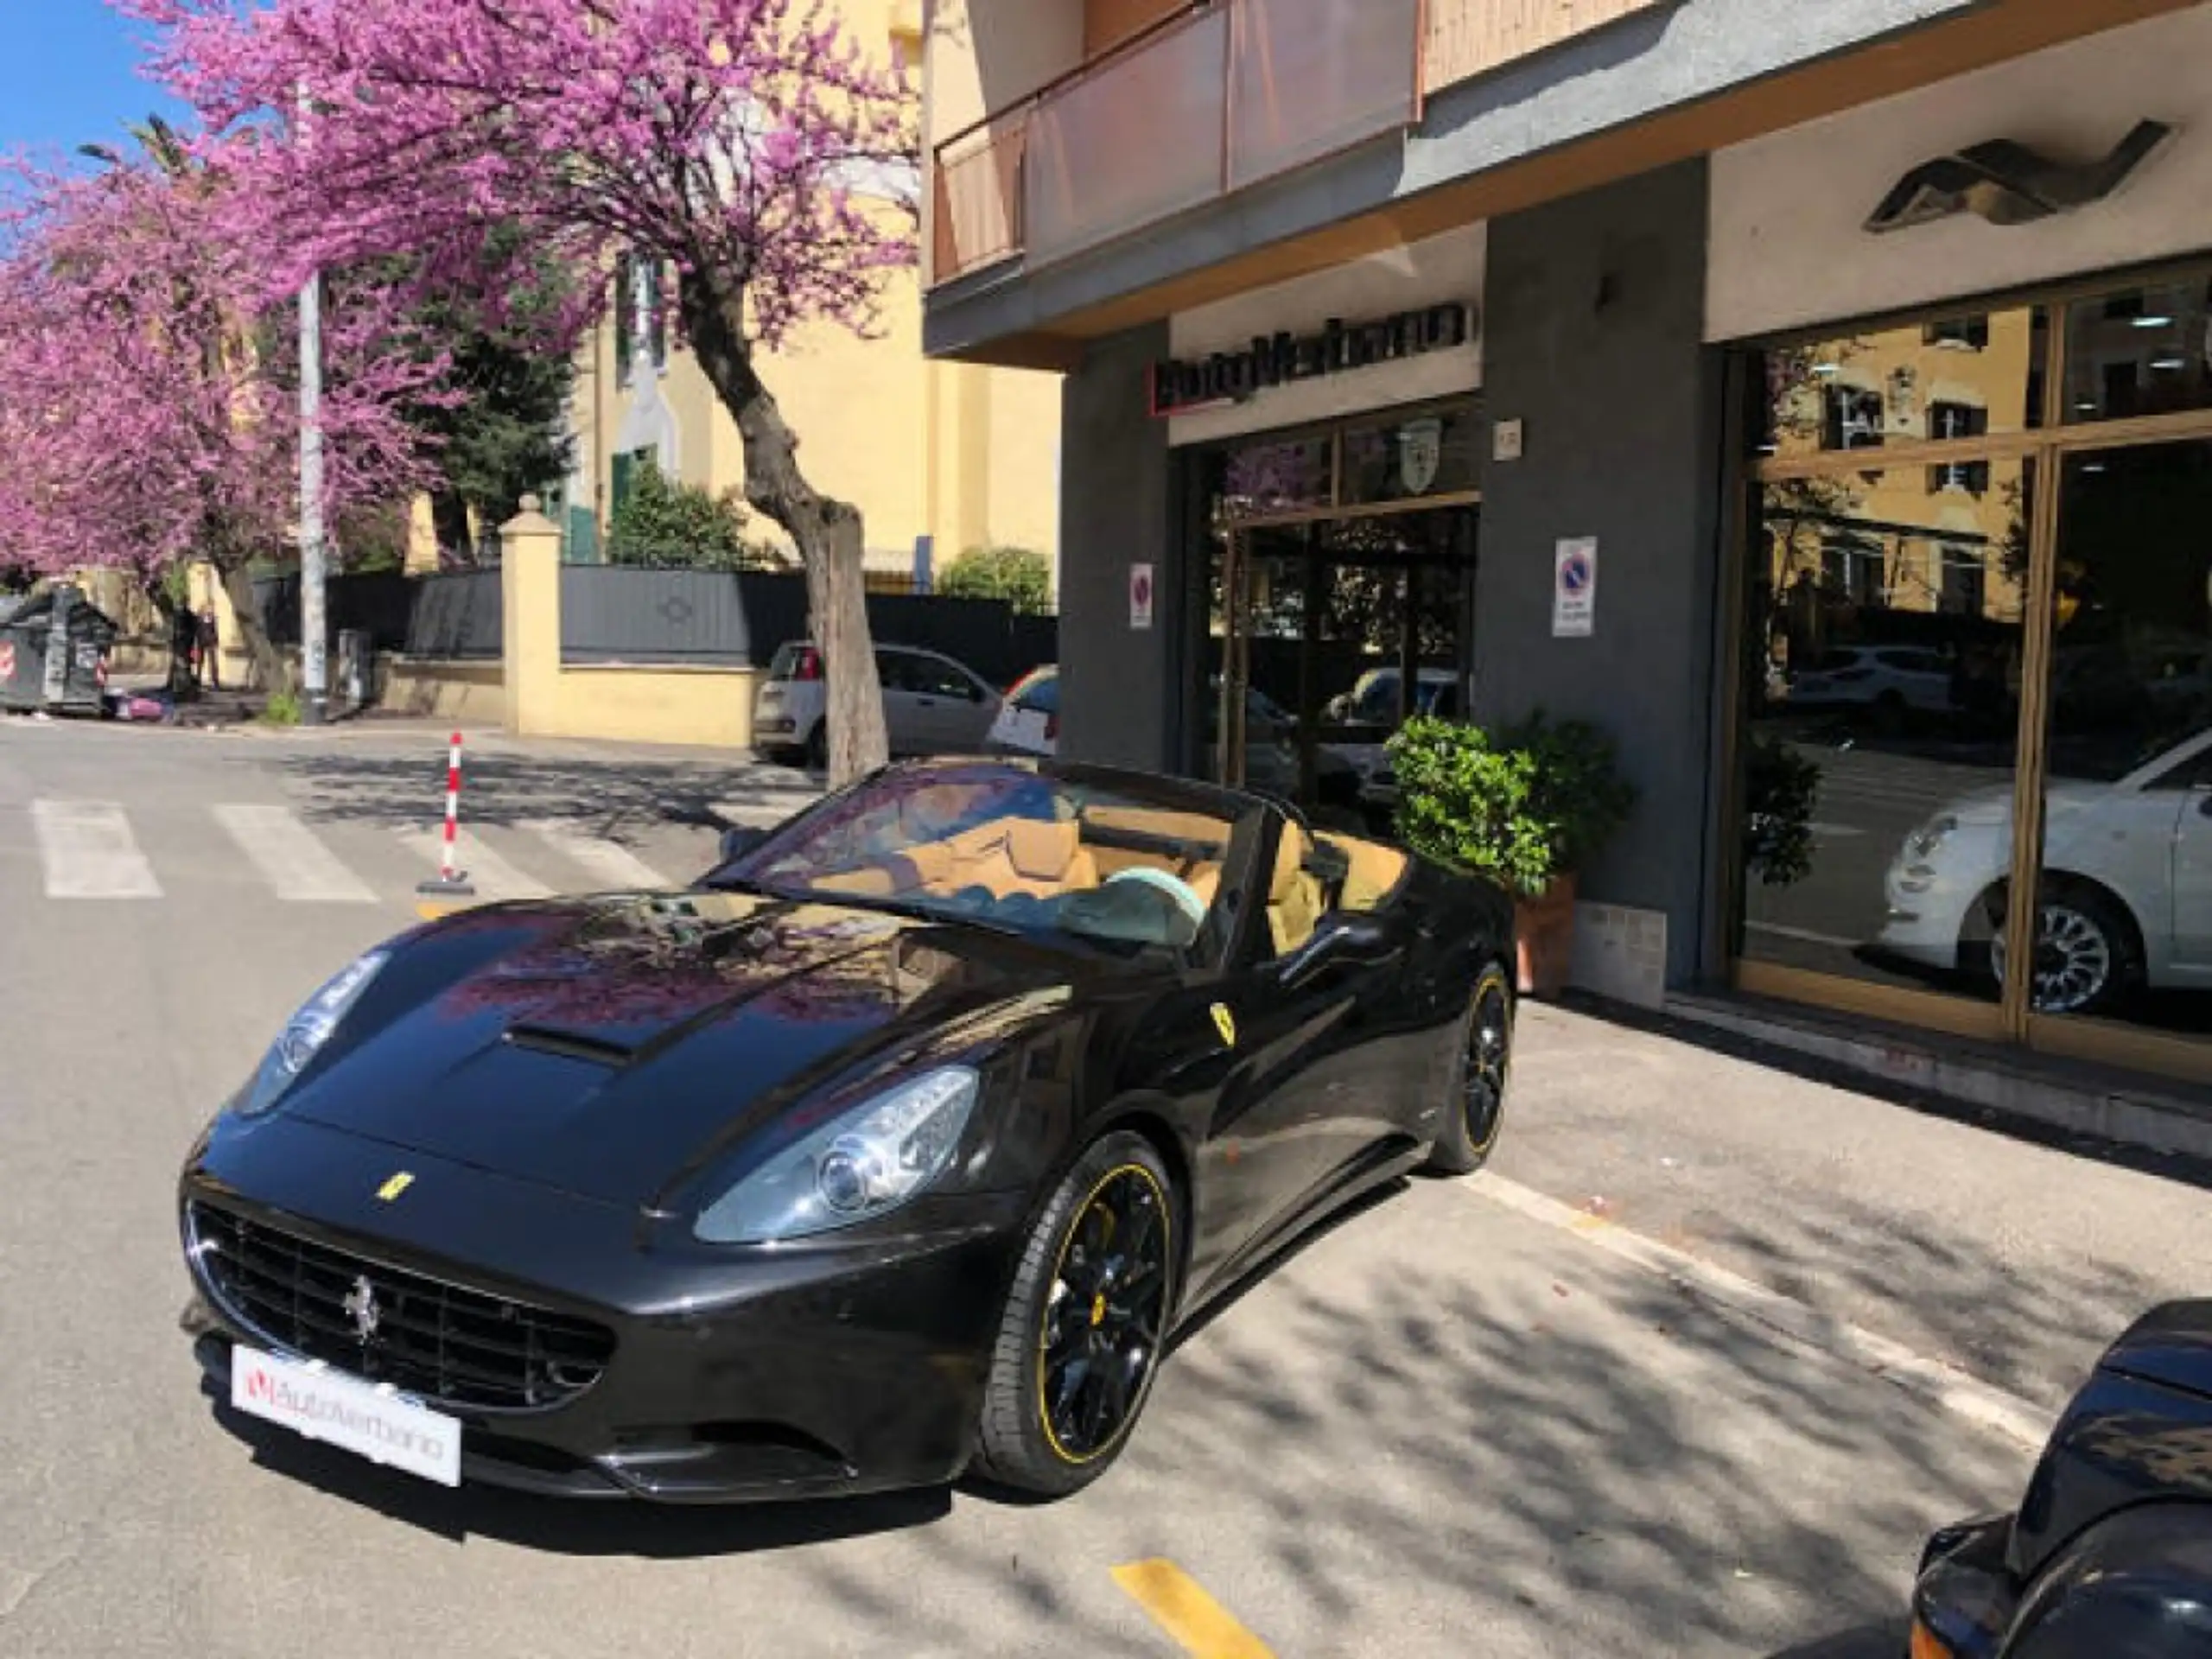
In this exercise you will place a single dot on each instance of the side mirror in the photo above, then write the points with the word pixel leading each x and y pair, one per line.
pixel 741 839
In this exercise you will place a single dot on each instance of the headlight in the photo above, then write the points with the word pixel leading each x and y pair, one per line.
pixel 1922 841
pixel 860 1165
pixel 305 1032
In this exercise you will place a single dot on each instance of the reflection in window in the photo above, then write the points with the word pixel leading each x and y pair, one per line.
pixel 1960 379
pixel 1886 624
pixel 1253 480
pixel 2146 352
pixel 2125 906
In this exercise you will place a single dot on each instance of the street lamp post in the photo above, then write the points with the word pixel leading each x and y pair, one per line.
pixel 314 666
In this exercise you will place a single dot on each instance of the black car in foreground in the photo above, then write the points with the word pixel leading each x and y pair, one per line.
pixel 901 1144
pixel 2109 1555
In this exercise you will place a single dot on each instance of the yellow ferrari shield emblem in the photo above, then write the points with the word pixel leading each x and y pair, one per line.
pixel 1225 1023
pixel 397 1185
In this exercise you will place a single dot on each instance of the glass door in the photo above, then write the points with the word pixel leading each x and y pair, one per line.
pixel 2124 900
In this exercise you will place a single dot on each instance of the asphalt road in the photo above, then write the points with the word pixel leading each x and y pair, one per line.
pixel 1448 1426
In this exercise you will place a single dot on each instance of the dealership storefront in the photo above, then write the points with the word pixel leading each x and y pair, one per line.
pixel 1972 584
pixel 1887 442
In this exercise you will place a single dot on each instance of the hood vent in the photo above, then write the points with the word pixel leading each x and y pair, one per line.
pixel 570 1044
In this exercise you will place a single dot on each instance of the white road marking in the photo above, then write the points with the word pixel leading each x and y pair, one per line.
pixel 1805 935
pixel 491 876
pixel 289 857
pixel 2006 1414
pixel 1833 831
pixel 90 852
pixel 608 862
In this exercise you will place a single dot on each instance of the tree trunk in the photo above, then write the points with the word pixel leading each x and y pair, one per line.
pixel 449 522
pixel 265 670
pixel 828 532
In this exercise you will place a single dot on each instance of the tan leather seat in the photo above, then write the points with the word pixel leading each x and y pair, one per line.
pixel 1374 873
pixel 1294 898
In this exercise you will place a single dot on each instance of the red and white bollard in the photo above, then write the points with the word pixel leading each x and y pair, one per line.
pixel 451 880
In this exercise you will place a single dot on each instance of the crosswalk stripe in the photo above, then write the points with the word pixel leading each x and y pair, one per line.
pixel 490 874
pixel 90 852
pixel 608 862
pixel 289 857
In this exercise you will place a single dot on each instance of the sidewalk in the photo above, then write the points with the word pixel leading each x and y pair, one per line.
pixel 2014 1260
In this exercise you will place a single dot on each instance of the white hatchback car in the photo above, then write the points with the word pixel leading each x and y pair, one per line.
pixel 2128 883
pixel 932 704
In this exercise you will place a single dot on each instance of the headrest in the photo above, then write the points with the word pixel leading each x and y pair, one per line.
pixel 1038 851
pixel 1290 858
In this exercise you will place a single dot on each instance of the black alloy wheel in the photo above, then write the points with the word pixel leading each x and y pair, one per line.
pixel 1080 1341
pixel 1474 1108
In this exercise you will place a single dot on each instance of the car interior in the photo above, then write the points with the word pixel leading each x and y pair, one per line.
pixel 1114 869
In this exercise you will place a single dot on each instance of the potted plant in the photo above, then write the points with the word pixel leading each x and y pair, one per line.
pixel 1527 806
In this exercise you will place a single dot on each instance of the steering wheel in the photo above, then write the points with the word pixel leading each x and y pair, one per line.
pixel 1185 896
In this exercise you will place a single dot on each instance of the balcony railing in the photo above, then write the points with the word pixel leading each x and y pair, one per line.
pixel 1221 97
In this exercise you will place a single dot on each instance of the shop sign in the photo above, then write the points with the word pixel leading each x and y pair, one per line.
pixel 1177 387
pixel 1421 453
pixel 1574 589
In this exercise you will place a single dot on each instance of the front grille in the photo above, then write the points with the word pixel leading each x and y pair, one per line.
pixel 449 1345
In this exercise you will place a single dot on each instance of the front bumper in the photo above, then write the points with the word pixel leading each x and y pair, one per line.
pixel 736 1376
pixel 1965 1597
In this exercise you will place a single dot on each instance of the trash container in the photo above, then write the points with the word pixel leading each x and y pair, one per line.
pixel 57 671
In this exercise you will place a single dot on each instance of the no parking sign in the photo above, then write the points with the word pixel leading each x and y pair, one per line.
pixel 1574 589
pixel 1140 595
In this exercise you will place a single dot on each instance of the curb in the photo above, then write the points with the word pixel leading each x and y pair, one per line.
pixel 2126 1112
pixel 1947 1387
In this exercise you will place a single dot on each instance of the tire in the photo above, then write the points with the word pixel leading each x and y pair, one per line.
pixel 1474 1108
pixel 1029 1440
pixel 816 755
pixel 2091 960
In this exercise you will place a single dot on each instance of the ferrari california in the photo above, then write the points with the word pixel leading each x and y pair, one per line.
pixel 899 1146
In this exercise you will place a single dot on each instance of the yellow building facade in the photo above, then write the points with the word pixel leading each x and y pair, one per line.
pixel 948 456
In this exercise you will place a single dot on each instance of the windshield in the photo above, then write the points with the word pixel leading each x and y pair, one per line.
pixel 1010 846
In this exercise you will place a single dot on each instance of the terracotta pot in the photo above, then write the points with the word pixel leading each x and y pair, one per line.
pixel 1545 931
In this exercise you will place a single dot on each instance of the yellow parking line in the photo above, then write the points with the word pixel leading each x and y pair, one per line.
pixel 1200 1626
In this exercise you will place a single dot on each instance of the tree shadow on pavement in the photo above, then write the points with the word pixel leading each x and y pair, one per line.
pixel 1434 1424
pixel 616 800
pixel 1631 1469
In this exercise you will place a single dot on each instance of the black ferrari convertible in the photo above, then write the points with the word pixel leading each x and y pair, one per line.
pixel 901 1145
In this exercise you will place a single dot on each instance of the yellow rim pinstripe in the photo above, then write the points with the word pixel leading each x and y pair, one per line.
pixel 1060 1265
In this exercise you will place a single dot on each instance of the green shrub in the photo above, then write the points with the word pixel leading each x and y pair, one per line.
pixel 283 708
pixel 1019 575
pixel 669 525
pixel 1780 789
pixel 1524 805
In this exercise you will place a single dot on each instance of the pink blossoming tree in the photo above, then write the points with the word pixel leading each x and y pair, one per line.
pixel 148 409
pixel 748 145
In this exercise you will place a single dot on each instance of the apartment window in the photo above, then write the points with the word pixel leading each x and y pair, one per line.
pixel 1852 570
pixel 1966 583
pixel 1950 421
pixel 625 318
pixel 1965 333
pixel 1854 418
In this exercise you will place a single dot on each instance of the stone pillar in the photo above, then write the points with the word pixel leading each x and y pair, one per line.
pixel 530 606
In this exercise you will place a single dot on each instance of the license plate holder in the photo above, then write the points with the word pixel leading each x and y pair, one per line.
pixel 371 1419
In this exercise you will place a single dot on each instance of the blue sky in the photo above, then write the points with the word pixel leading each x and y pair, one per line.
pixel 69 75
